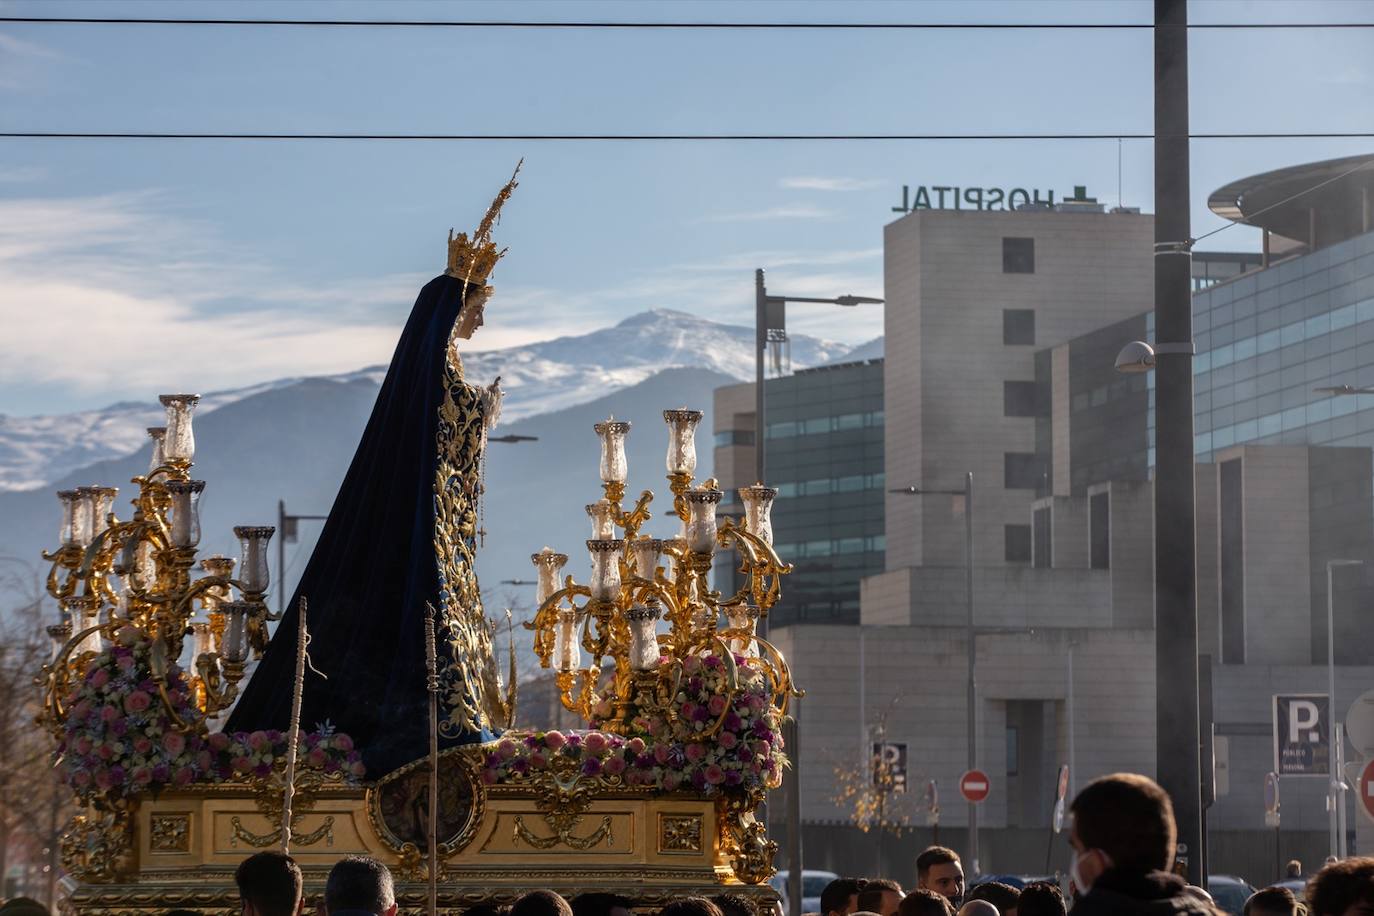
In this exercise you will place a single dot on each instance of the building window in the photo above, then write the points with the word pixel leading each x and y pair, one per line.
pixel 1018 399
pixel 1018 543
pixel 1018 327
pixel 1022 471
pixel 728 437
pixel 1099 531
pixel 1018 256
pixel 1040 520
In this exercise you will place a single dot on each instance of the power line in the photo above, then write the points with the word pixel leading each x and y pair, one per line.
pixel 604 138
pixel 1287 200
pixel 513 24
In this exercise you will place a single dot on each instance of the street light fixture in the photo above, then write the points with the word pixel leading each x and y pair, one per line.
pixel 512 437
pixel 1339 390
pixel 967 494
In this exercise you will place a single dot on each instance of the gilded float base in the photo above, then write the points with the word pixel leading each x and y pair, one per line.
pixel 496 841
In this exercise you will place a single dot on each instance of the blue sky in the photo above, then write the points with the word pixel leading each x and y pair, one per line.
pixel 132 267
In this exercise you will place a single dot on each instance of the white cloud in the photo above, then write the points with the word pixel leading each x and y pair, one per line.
pixel 18 174
pixel 817 183
pixel 21 61
pixel 802 211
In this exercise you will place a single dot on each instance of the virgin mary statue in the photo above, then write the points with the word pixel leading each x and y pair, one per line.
pixel 401 536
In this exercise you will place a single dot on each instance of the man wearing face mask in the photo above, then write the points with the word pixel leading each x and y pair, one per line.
pixel 1123 841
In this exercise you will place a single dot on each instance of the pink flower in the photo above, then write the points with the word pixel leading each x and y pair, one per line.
pixel 695 752
pixel 258 741
pixel 615 766
pixel 538 760
pixel 125 662
pixel 174 743
pixel 218 741
pixel 315 758
pixel 661 754
pixel 104 752
pixel 81 779
pixel 204 760
pixel 636 746
pixel 692 665
pixel 143 776
pixel 727 740
pixel 715 775
pixel 109 713
pixel 184 776
pixel 103 780
pixel 595 743
pixel 756 702
pixel 357 770
pixel 99 678
pixel 137 701
pixel 671 780
pixel 343 742
pixel 83 745
pixel 554 740
pixel 241 764
pixel 717 705
pixel 143 745
pixel 506 748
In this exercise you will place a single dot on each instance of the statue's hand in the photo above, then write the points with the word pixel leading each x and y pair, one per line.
pixel 474 303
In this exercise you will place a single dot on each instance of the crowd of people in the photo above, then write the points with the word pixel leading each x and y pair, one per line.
pixel 1123 836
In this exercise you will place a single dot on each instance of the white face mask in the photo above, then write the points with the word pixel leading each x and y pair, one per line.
pixel 1076 874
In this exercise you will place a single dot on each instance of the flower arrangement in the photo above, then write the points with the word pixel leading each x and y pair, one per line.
pixel 683 750
pixel 120 739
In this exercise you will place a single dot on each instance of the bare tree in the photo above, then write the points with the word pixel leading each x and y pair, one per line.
pixel 874 793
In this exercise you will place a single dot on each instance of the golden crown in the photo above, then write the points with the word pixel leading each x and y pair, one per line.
pixel 472 260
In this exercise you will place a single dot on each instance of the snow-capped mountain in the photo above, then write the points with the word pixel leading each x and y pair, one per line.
pixel 538 378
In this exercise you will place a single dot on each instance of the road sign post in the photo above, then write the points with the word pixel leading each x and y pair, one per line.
pixel 975 786
pixel 1302 734
pixel 1365 786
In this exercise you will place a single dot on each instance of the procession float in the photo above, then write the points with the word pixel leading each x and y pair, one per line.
pixel 378 697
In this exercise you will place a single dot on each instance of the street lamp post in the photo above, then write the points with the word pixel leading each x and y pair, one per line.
pixel 967 494
pixel 1336 788
pixel 287 525
pixel 762 328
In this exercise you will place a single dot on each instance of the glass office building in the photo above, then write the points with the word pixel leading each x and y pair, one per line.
pixel 825 456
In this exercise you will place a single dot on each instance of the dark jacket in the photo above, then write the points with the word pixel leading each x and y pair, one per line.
pixel 1158 893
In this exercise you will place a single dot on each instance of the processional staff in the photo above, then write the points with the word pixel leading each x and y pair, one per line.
pixel 293 735
pixel 432 684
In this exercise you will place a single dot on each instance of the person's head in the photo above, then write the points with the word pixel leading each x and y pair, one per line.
pixel 23 906
pixel 840 897
pixel 1272 901
pixel 939 869
pixel 881 896
pixel 923 902
pixel 1123 821
pixel 687 906
pixel 1343 888
pixel 269 885
pixel 541 903
pixel 595 904
pixel 360 884
pixel 735 905
pixel 1294 869
pixel 978 908
pixel 1040 899
pixel 1002 896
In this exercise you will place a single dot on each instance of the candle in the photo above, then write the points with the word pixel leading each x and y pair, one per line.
pixel 642 619
pixel 548 565
pixel 253 570
pixel 567 652
pixel 179 442
pixel 701 525
pixel 602 515
pixel 758 508
pixel 614 467
pixel 605 555
pixel 682 448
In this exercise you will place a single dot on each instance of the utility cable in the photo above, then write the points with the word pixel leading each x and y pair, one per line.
pixel 514 24
pixel 1287 200
pixel 603 138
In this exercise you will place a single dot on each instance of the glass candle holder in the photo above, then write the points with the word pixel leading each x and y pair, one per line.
pixel 758 511
pixel 614 467
pixel 157 459
pixel 548 565
pixel 567 649
pixel 646 552
pixel 202 639
pixel 82 614
pixel 81 517
pixel 236 630
pixel 253 570
pixel 222 567
pixel 602 514
pixel 701 523
pixel 185 514
pixel 682 447
pixel 179 442
pixel 643 621
pixel 67 533
pixel 605 555
pixel 678 544
pixel 102 501
pixel 58 634
pixel 743 617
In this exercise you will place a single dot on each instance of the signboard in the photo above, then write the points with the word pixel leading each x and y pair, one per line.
pixel 1061 790
pixel 949 197
pixel 1302 734
pixel 892 758
pixel 975 786
pixel 1359 723
pixel 1271 800
pixel 1365 786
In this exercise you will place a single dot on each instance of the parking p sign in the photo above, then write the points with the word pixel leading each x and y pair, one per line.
pixel 1302 734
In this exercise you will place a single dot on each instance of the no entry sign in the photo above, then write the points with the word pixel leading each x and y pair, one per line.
pixel 975 785
pixel 1366 789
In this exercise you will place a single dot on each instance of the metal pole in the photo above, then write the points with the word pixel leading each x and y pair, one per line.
pixel 281 556
pixel 1331 710
pixel 972 677
pixel 1177 760
pixel 864 751
pixel 1338 743
pixel 760 345
pixel 1073 764
pixel 794 832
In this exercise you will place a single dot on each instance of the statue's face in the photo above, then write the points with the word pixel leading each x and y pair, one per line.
pixel 473 304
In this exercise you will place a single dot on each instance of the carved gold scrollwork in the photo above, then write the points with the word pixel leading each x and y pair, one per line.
pixel 563 834
pixel 679 833
pixel 169 833
pixel 98 845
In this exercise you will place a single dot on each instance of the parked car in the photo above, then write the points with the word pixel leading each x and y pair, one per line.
pixel 1229 892
pixel 813 882
pixel 1297 885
